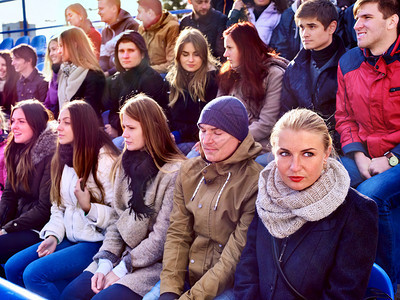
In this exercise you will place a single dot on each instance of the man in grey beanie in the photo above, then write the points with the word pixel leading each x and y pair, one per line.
pixel 214 204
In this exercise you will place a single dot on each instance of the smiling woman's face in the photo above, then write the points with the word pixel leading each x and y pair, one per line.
pixel 300 157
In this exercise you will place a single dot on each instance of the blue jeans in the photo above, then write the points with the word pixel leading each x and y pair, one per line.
pixel 154 294
pixel 48 275
pixel 80 289
pixel 384 189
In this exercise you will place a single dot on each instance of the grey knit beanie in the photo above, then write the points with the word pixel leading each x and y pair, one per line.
pixel 228 114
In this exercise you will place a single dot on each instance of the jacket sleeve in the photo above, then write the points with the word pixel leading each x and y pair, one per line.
pixel 246 275
pixel 170 40
pixel 348 279
pixel 103 211
pixel 261 128
pixel 288 100
pixel 221 276
pixel 42 90
pixel 95 85
pixel 219 43
pixel 346 125
pixel 150 250
pixel 40 212
pixel 176 250
pixel 56 225
pixel 155 87
pixel 280 39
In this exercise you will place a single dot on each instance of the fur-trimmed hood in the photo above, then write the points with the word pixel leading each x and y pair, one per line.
pixel 45 144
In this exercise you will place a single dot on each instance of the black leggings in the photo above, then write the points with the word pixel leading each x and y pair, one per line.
pixel 14 242
pixel 80 289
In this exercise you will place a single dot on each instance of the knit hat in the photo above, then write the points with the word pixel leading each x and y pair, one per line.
pixel 137 39
pixel 228 114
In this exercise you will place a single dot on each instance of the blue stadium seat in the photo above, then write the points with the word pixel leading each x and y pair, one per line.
pixel 22 40
pixel 39 43
pixel 11 291
pixel 7 44
pixel 381 281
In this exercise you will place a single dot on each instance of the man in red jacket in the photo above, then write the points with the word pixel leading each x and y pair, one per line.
pixel 368 117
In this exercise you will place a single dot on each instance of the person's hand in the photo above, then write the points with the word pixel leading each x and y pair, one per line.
pixel 363 164
pixel 196 147
pixel 238 4
pixel 47 246
pixel 106 74
pixel 2 231
pixel 173 137
pixel 111 131
pixel 82 196
pixel 379 165
pixel 97 282
pixel 110 279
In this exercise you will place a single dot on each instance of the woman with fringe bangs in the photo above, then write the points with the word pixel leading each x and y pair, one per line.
pixel 25 203
pixel 8 82
pixel 129 261
pixel 253 73
pixel 81 194
pixel 193 84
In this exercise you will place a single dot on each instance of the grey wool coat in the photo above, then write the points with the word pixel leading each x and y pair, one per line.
pixel 140 243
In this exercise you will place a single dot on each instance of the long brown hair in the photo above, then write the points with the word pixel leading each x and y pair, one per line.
pixel 178 77
pixel 89 138
pixel 157 137
pixel 80 48
pixel 10 87
pixel 254 56
pixel 18 156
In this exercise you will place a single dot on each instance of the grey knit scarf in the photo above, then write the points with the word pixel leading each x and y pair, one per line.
pixel 283 210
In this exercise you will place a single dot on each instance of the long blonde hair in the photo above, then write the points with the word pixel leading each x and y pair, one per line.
pixel 178 77
pixel 80 48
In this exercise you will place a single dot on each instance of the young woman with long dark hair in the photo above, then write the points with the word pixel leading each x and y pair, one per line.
pixel 25 203
pixel 81 194
pixel 253 73
pixel 8 82
pixel 193 84
pixel 129 261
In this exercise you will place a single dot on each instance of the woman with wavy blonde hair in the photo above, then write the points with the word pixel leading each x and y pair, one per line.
pixel 80 75
pixel 192 80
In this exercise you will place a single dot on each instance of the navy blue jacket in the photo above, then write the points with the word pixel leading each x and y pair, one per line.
pixel 212 26
pixel 285 38
pixel 327 259
pixel 299 90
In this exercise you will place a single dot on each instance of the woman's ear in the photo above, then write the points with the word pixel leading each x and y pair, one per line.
pixel 328 152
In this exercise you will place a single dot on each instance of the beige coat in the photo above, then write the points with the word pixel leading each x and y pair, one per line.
pixel 209 222
pixel 140 242
pixel 160 41
pixel 261 122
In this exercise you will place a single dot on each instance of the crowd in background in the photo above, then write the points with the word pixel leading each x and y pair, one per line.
pixel 249 150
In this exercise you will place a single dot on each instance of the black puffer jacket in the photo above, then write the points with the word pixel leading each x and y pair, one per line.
pixel 23 210
pixel 124 85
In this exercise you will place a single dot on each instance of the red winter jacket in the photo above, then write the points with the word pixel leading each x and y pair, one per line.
pixel 368 101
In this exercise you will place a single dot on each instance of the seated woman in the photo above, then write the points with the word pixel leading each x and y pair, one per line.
pixel 52 63
pixel 134 76
pixel 192 80
pixel 129 261
pixel 76 15
pixel 253 73
pixel 8 82
pixel 263 14
pixel 80 76
pixel 313 237
pixel 213 206
pixel 25 203
pixel 81 193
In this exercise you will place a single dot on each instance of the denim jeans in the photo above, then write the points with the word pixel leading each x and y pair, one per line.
pixel 154 294
pixel 384 189
pixel 48 275
pixel 80 289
